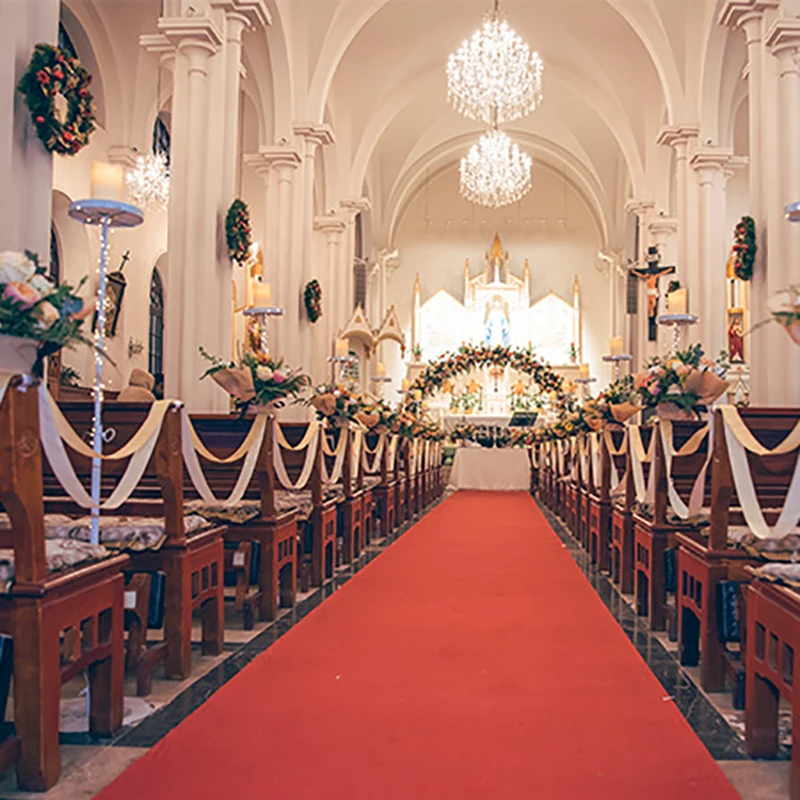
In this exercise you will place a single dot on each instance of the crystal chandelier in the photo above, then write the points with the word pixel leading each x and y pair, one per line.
pixel 148 182
pixel 494 77
pixel 495 172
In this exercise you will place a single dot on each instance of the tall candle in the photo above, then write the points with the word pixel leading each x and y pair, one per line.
pixel 106 181
pixel 262 295
pixel 405 385
pixel 380 370
pixel 677 301
pixel 584 370
pixel 616 346
pixel 418 394
pixel 342 348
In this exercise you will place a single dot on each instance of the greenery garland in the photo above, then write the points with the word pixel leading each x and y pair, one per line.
pixel 432 378
pixel 238 232
pixel 744 248
pixel 312 297
pixel 52 71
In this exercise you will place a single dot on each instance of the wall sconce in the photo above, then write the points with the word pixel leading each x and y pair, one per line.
pixel 135 347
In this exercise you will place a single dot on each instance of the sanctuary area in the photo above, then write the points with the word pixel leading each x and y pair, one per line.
pixel 400 399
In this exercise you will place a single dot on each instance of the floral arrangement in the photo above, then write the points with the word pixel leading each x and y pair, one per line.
pixel 469 357
pixel 574 353
pixel 744 248
pixel 467 401
pixel 339 405
pixel 238 233
pixel 520 399
pixel 681 384
pixel 31 307
pixel 312 297
pixel 416 353
pixel 53 71
pixel 785 309
pixel 615 405
pixel 256 381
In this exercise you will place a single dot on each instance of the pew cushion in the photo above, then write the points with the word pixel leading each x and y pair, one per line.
pixel 771 549
pixel 60 554
pixel 371 481
pixel 786 574
pixel 239 514
pixel 124 533
pixel 286 500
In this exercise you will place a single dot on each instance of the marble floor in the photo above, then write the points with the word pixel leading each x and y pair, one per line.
pixel 88 765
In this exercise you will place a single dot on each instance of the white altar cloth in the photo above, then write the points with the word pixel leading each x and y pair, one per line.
pixel 491 469
pixel 452 421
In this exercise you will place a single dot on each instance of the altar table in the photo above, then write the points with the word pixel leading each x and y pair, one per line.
pixel 491 469
pixel 453 421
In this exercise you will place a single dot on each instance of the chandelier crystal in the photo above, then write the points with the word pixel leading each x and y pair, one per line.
pixel 495 172
pixel 494 77
pixel 148 181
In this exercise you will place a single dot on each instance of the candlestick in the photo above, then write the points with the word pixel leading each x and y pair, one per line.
pixel 107 180
pixel 342 348
pixel 262 294
pixel 616 346
pixel 677 321
pixel 616 360
pixel 261 313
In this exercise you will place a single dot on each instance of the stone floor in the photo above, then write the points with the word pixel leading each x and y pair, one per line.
pixel 89 765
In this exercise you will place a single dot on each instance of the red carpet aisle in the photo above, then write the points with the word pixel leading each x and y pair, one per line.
pixel 471 660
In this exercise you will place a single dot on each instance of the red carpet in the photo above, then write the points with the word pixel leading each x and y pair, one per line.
pixel 471 660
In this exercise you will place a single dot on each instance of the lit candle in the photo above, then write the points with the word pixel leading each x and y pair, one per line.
pixel 262 295
pixel 405 385
pixel 616 346
pixel 342 348
pixel 584 371
pixel 106 181
pixel 677 301
pixel 380 370
pixel 418 394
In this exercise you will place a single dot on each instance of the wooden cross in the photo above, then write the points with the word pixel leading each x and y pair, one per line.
pixel 651 274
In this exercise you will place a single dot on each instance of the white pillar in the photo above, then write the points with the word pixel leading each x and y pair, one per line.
pixel 663 232
pixel 26 168
pixel 332 227
pixel 641 349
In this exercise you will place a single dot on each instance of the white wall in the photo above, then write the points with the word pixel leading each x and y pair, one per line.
pixel 551 227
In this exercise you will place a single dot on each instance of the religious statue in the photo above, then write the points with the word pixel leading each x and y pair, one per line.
pixel 651 274
pixel 736 341
pixel 497 330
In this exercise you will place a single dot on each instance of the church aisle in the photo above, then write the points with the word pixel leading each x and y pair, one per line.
pixel 471 660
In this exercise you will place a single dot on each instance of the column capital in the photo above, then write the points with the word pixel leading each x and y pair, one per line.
pixel 332 226
pixel 255 12
pixel 123 154
pixel 314 134
pixel 674 135
pixel 184 32
pixel 641 208
pixel 712 159
pixel 355 205
pixel 783 38
pixel 278 156
pixel 156 43
pixel 735 13
pixel 662 227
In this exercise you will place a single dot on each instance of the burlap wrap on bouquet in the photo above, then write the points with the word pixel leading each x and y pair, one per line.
pixel 674 412
pixel 324 403
pixel 708 386
pixel 237 382
pixel 622 412
pixel 369 421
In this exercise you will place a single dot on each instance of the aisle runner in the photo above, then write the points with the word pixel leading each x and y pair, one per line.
pixel 471 660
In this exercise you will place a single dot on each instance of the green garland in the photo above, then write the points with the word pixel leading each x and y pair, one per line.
pixel 52 71
pixel 238 232
pixel 312 297
pixel 744 248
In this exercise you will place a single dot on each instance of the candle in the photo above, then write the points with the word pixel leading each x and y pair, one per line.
pixel 418 394
pixel 342 348
pixel 584 371
pixel 106 181
pixel 616 346
pixel 380 370
pixel 405 385
pixel 677 301
pixel 262 295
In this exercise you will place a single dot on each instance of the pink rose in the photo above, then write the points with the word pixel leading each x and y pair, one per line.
pixel 639 380
pixel 23 293
pixel 653 389
pixel 278 377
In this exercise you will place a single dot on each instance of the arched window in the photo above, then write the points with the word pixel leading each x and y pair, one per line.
pixel 54 272
pixel 64 42
pixel 156 337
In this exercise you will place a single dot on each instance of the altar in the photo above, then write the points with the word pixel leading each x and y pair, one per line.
pixel 453 421
pixel 491 469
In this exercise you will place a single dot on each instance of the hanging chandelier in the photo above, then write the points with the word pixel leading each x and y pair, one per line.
pixel 148 181
pixel 494 76
pixel 495 172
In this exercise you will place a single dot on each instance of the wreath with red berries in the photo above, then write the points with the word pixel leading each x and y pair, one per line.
pixel 238 232
pixel 312 298
pixel 52 72
pixel 744 248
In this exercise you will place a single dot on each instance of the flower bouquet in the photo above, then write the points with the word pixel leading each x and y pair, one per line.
pixel 37 318
pixel 257 382
pixel 785 309
pixel 617 404
pixel 681 385
pixel 339 405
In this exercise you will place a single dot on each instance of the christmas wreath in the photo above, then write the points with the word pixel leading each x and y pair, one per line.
pixel 312 296
pixel 237 231
pixel 53 71
pixel 744 248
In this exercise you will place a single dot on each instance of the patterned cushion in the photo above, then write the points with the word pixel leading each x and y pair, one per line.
pixel 788 574
pixel 238 514
pixel 782 549
pixel 61 554
pixel 371 481
pixel 286 500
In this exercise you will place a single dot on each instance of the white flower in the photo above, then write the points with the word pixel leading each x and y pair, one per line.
pixel 264 374
pixel 42 285
pixel 786 301
pixel 15 267
pixel 674 389
pixel 46 314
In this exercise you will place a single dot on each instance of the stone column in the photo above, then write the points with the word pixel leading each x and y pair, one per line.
pixel 192 280
pixel 783 39
pixel 641 349
pixel 662 232
pixel 351 207
pixel 26 168
pixel 332 227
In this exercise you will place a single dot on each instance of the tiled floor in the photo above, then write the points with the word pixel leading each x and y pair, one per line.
pixel 87 765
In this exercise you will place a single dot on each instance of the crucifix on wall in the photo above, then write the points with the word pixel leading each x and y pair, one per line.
pixel 651 274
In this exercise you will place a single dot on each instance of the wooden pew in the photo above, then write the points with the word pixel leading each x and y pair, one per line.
pixel 582 487
pixel 84 604
pixel 192 563
pixel 599 527
pixel 352 506
pixel 615 445
pixel 655 533
pixel 706 561
pixel 386 491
